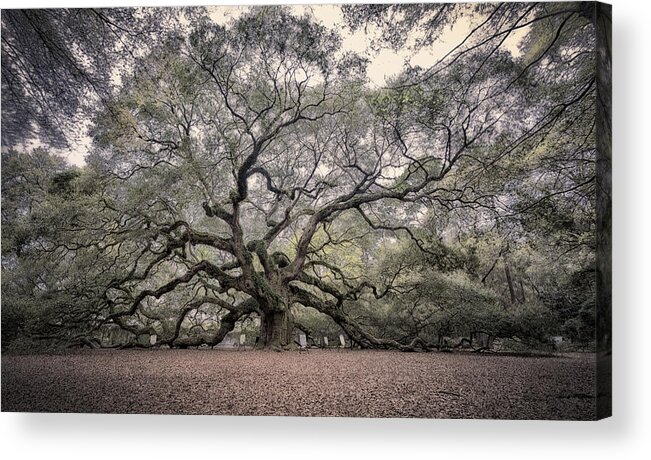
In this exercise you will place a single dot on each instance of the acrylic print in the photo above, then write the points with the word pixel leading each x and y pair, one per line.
pixel 322 210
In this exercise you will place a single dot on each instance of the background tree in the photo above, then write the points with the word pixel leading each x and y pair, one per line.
pixel 60 65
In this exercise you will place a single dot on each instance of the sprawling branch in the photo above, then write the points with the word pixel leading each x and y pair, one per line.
pixel 226 322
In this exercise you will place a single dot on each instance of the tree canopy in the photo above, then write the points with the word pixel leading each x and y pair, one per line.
pixel 245 170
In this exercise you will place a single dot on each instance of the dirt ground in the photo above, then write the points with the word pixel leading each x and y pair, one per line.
pixel 315 383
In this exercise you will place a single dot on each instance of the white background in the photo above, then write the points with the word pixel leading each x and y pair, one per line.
pixel 627 435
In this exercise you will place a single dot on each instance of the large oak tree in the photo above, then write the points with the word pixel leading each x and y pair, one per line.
pixel 240 166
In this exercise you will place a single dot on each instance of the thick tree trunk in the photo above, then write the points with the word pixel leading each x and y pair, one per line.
pixel 276 330
pixel 509 280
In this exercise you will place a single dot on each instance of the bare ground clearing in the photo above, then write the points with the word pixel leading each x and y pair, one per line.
pixel 316 383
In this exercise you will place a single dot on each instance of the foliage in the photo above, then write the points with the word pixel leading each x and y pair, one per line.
pixel 246 170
